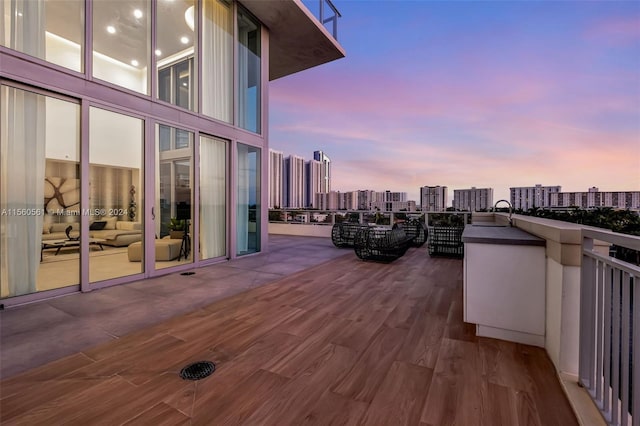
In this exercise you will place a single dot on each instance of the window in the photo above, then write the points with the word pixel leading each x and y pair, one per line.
pixel 121 43
pixel 176 37
pixel 49 30
pixel 217 59
pixel 248 206
pixel 249 114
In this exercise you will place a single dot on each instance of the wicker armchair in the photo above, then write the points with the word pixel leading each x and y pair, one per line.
pixel 414 229
pixel 343 234
pixel 384 245
pixel 445 241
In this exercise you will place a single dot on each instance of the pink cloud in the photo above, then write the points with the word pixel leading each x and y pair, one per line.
pixel 618 30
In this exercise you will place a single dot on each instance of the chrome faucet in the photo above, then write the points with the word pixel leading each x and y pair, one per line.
pixel 510 209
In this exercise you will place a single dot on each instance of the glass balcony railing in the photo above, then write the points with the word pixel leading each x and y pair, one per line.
pixel 383 218
pixel 326 12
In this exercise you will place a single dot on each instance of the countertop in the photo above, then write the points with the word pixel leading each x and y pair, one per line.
pixel 492 234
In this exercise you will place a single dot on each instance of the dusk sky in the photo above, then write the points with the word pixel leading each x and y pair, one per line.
pixel 472 93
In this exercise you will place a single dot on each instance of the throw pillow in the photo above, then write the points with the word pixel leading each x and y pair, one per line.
pixel 98 225
pixel 110 222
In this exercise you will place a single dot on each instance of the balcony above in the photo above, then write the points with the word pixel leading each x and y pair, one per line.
pixel 297 39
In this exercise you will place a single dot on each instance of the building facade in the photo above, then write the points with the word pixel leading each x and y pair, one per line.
pixel 276 164
pixel 474 199
pixel 314 182
pixel 594 198
pixel 528 197
pixel 388 201
pixel 124 121
pixel 433 198
pixel 328 200
pixel 294 182
pixel 326 169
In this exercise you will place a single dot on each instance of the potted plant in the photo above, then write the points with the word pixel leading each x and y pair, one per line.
pixel 176 228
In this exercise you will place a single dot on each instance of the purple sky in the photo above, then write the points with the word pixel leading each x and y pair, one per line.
pixel 479 93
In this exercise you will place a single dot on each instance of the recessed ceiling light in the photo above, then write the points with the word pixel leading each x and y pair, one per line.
pixel 135 63
pixel 158 52
pixel 184 84
pixel 137 13
pixel 111 29
pixel 19 13
pixel 184 40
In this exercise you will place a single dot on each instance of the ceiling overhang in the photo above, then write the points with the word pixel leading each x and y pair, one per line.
pixel 297 40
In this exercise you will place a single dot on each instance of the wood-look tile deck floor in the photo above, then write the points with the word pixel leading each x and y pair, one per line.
pixel 343 343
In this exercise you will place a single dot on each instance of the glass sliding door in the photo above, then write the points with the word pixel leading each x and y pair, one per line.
pixel 213 197
pixel 249 93
pixel 116 194
pixel 39 192
pixel 248 200
pixel 174 196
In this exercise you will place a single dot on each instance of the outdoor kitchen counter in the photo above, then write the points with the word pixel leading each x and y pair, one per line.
pixel 495 234
pixel 504 283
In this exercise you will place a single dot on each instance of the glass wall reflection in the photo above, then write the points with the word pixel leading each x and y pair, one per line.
pixel 249 96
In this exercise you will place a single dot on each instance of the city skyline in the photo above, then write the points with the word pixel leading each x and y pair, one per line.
pixel 488 94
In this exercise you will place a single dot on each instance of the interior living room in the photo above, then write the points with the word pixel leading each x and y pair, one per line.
pixel 134 133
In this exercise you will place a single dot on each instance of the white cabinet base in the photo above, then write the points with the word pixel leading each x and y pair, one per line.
pixel 504 291
pixel 510 335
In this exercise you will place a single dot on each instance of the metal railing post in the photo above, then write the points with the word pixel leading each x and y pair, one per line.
pixel 636 351
pixel 586 315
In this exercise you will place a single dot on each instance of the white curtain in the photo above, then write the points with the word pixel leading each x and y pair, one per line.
pixel 217 60
pixel 22 148
pixel 242 216
pixel 213 172
pixel 25 31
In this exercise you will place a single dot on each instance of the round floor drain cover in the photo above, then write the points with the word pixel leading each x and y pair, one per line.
pixel 198 370
pixel 188 273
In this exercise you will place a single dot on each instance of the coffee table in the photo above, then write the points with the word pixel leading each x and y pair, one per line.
pixel 59 244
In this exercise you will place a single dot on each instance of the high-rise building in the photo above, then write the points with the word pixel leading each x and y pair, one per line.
pixel 294 182
pixel 593 198
pixel 528 197
pixel 328 200
pixel 314 182
pixel 365 198
pixel 391 201
pixel 105 110
pixel 433 198
pixel 326 170
pixel 349 200
pixel 474 199
pixel 276 162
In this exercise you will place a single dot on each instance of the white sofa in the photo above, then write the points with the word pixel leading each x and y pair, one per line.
pixel 116 233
